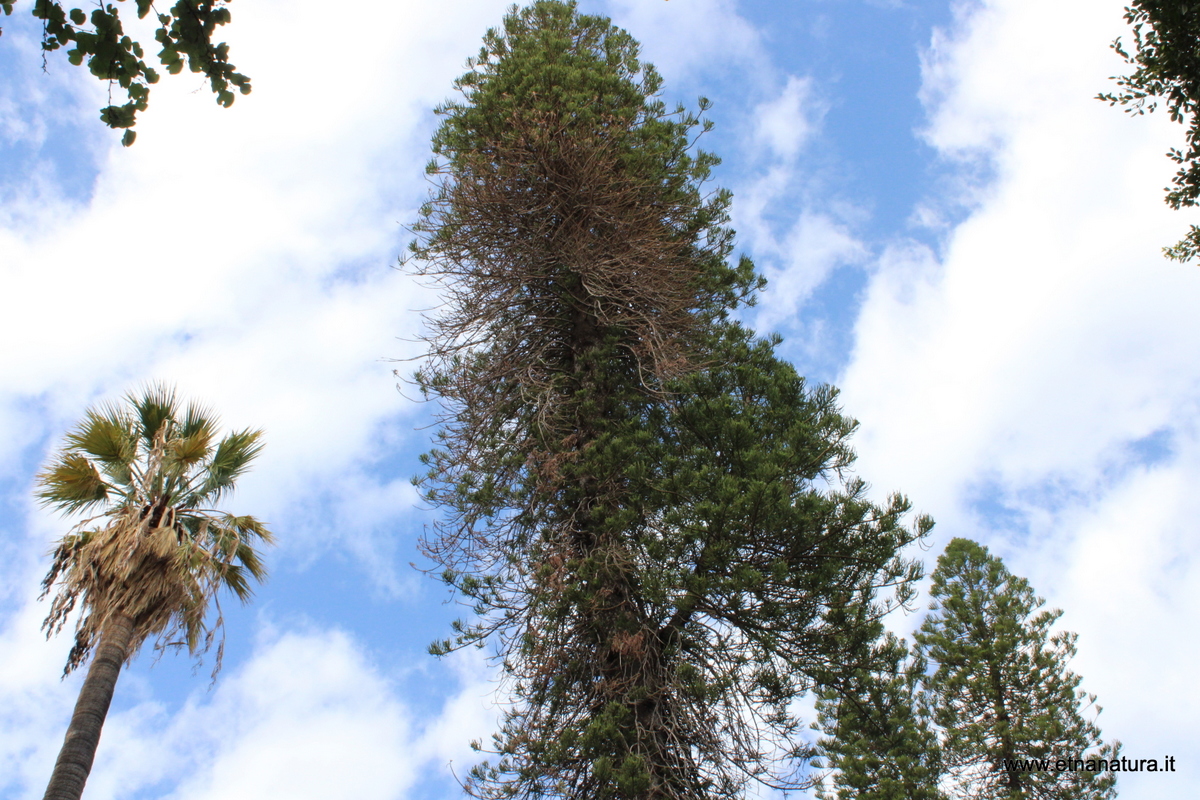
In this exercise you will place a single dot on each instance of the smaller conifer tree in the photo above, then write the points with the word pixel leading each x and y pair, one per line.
pixel 880 743
pixel 1001 692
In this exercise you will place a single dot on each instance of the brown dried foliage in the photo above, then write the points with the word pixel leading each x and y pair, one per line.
pixel 543 242
pixel 547 245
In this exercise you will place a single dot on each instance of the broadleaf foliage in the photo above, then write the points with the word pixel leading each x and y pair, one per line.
pixel 184 37
pixel 1166 54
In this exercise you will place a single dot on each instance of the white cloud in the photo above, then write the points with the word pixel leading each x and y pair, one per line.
pixel 32 699
pixel 1018 365
pixel 797 244
pixel 307 715
pixel 685 38
pixel 1131 570
pixel 787 122
pixel 798 262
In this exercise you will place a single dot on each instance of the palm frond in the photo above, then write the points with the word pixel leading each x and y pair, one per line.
pixel 232 541
pixel 182 452
pixel 198 418
pixel 71 484
pixel 106 433
pixel 155 408
pixel 249 527
pixel 233 578
pixel 248 557
pixel 229 460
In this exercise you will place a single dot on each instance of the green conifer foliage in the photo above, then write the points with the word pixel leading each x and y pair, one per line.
pixel 880 744
pixel 1001 689
pixel 636 490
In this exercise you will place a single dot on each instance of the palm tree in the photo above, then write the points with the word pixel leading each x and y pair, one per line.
pixel 153 557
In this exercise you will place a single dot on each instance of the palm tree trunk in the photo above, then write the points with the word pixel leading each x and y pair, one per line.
pixel 79 748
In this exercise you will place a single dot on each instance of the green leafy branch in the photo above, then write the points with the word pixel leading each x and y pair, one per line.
pixel 185 34
pixel 1166 55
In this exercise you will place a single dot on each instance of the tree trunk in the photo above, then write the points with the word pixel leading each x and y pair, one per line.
pixel 79 748
pixel 1008 752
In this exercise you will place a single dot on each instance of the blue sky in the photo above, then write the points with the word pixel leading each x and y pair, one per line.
pixel 955 233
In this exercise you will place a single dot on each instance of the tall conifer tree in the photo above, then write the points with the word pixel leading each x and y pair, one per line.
pixel 636 488
pixel 1001 689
